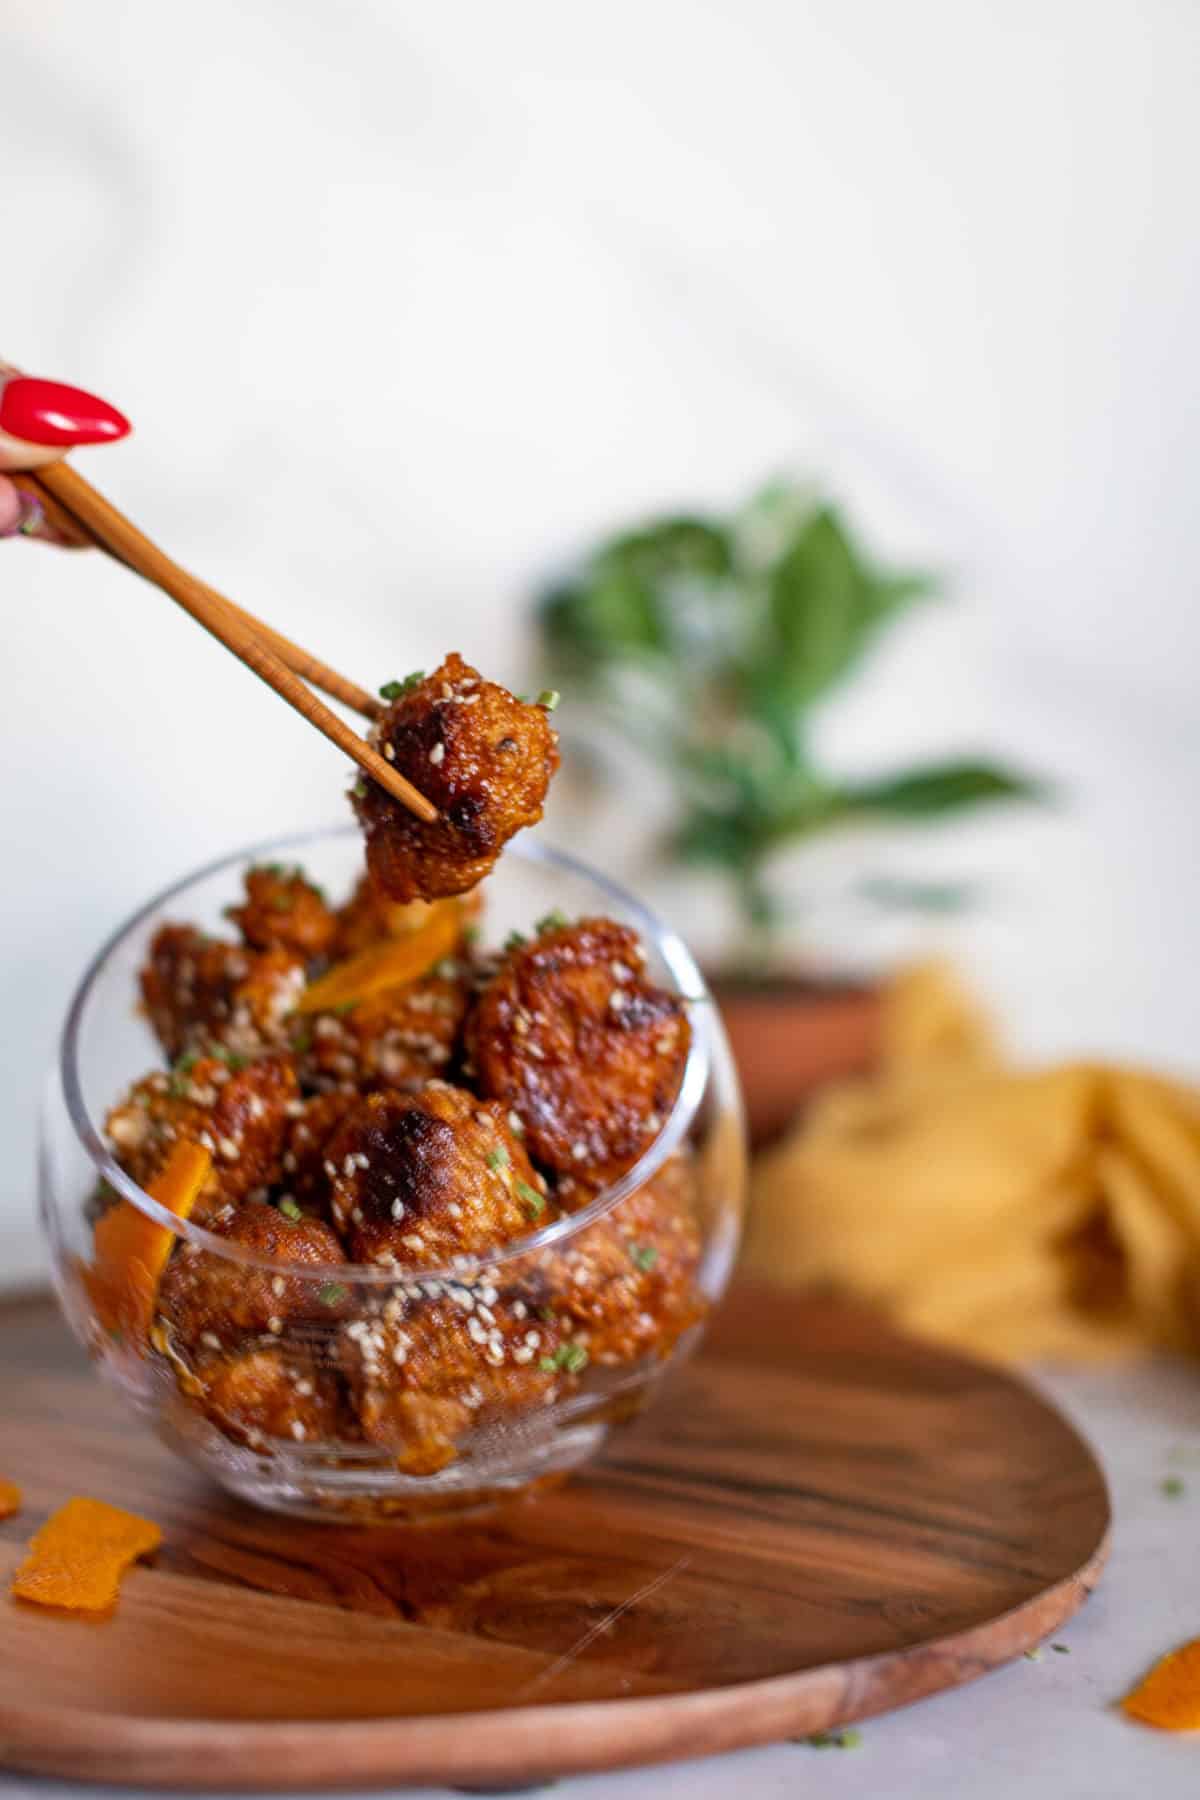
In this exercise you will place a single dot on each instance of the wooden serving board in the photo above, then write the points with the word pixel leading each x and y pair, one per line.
pixel 822 1519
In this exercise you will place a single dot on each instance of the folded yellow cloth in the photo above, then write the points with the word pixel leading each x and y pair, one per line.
pixel 1017 1213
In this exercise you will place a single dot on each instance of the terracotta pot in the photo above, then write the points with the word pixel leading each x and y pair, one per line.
pixel 790 1037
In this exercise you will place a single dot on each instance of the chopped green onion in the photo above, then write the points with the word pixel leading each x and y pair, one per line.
pixel 447 969
pixel 515 940
pixel 643 1256
pixel 849 1739
pixel 343 1007
pixel 552 921
pixel 534 1201
pixel 498 1159
pixel 1174 1487
pixel 549 698
pixel 289 1209
pixel 392 690
pixel 332 1293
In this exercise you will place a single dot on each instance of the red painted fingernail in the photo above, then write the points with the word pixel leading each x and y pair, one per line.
pixel 50 413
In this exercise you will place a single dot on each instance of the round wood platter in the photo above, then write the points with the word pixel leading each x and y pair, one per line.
pixel 820 1520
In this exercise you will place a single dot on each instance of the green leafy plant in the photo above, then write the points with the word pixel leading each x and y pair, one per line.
pixel 713 643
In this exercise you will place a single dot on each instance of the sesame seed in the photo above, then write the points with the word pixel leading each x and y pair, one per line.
pixel 413 1241
pixel 298 1430
pixel 653 1122
pixel 274 1324
pixel 537 1053
pixel 304 1388
pixel 488 1294
pixel 476 1331
pixel 398 1209
pixel 389 752
pixel 516 1124
pixel 523 1355
pixel 620 972
pixel 349 1164
pixel 400 1355
pixel 520 1310
pixel 665 1045
pixel 210 1339
pixel 278 1286
pixel 330 1169
pixel 485 1312
pixel 533 1339
pixel 437 754
pixel 356 1215
pixel 579 1151
pixel 454 1209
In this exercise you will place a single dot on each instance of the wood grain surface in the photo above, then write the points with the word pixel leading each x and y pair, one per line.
pixel 821 1520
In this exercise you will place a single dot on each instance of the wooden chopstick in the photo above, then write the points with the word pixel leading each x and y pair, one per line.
pixel 272 657
pixel 300 662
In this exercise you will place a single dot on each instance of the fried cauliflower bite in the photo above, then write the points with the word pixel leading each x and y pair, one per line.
pixel 571 1037
pixel 283 910
pixel 199 990
pixel 239 1114
pixel 422 1375
pixel 420 1179
pixel 267 1391
pixel 481 756
pixel 629 1281
pixel 398 1038
pixel 212 1303
pixel 311 1124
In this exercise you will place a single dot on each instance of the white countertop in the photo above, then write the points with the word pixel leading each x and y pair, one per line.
pixel 1045 1729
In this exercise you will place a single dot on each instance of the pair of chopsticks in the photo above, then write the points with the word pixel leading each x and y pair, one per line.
pixel 71 504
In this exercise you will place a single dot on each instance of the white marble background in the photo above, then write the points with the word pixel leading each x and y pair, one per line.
pixel 406 299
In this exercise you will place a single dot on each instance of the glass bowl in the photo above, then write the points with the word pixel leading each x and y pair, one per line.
pixel 569 1330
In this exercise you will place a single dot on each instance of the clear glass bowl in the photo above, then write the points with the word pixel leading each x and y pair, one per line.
pixel 540 1407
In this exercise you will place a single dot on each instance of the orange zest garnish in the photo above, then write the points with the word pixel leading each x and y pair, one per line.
pixel 390 964
pixel 131 1250
pixel 10 1498
pixel 1169 1696
pixel 78 1557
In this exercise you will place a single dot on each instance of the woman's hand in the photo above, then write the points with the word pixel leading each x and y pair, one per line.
pixel 39 421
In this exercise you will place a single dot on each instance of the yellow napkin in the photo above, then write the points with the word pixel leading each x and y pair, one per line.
pixel 1017 1213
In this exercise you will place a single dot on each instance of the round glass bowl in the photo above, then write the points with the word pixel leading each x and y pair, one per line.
pixel 356 1392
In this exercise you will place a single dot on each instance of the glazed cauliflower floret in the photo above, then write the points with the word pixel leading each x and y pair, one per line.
pixel 484 759
pixel 572 1037
pixel 284 910
pixel 420 1179
pixel 422 1374
pixel 311 1124
pixel 210 1302
pixel 239 1113
pixel 269 1391
pixel 398 1038
pixel 199 991
pixel 628 1282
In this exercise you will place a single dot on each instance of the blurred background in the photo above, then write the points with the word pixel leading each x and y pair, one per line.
pixel 409 304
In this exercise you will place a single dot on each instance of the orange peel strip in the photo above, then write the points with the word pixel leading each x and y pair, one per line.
pixel 78 1557
pixel 389 964
pixel 131 1250
pixel 10 1498
pixel 1169 1696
